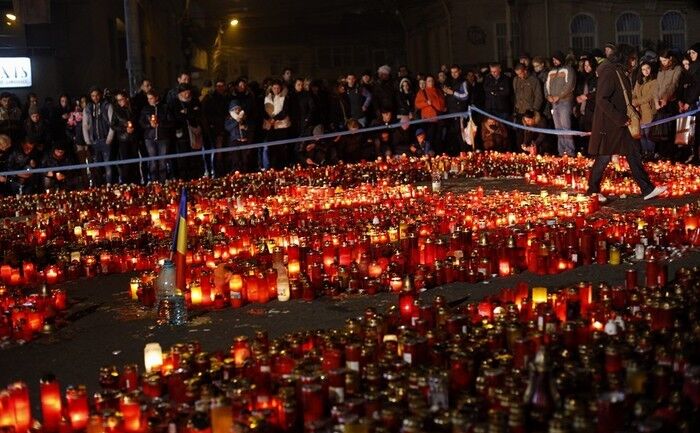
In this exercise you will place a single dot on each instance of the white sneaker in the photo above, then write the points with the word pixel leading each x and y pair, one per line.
pixel 656 192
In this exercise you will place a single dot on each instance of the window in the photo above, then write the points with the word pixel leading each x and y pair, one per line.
pixel 501 35
pixel 673 30
pixel 583 32
pixel 629 29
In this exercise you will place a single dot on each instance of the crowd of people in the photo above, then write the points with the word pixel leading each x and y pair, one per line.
pixel 556 92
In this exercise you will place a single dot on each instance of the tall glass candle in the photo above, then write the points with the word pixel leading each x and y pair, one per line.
pixel 50 403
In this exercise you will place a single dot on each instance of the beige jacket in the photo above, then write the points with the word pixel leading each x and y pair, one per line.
pixel 667 83
pixel 643 99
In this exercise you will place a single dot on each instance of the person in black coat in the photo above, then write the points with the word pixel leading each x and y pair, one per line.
pixel 302 109
pixel 384 92
pixel 5 151
pixel 124 122
pixel 37 129
pixel 610 134
pixel 689 100
pixel 339 108
pixel 498 92
pixel 189 132
pixel 214 107
pixel 23 158
pixel 55 159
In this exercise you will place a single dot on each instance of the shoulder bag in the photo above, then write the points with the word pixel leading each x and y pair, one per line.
pixel 635 125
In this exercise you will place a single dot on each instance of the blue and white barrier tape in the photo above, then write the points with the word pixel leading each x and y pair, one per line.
pixel 204 152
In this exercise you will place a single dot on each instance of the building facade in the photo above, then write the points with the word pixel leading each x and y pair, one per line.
pixel 474 32
pixel 322 39
pixel 76 44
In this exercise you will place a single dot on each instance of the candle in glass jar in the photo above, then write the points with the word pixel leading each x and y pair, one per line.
pixel 294 268
pixel 504 267
pixel 614 255
pixel 196 294
pixel 50 403
pixel 19 399
pixel 7 414
pixel 221 416
pixel 539 295
pixel 78 411
pixel 152 357
pixel 51 275
pixel 134 288
pixel 131 414
pixel 240 350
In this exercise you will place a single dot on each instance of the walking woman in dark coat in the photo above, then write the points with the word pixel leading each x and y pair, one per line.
pixel 610 135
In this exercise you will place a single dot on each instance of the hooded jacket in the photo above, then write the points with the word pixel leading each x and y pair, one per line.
pixel 561 82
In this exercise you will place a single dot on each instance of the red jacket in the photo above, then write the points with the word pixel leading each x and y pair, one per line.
pixel 437 105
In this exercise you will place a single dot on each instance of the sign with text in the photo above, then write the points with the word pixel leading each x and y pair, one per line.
pixel 15 72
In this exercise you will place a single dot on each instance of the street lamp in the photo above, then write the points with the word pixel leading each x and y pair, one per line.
pixel 11 16
pixel 234 22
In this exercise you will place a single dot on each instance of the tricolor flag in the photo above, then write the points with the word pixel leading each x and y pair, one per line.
pixel 179 249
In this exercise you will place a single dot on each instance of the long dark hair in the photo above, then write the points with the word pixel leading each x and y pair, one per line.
pixel 652 76
pixel 671 55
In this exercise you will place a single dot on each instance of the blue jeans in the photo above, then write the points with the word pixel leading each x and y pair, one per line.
pixel 101 153
pixel 157 170
pixel 561 113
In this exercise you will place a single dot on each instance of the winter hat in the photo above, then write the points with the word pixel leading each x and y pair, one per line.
pixel 384 69
pixel 611 45
pixel 649 56
pixel 559 56
pixel 33 109
pixel 232 106
pixel 402 81
pixel 419 131
pixel 695 47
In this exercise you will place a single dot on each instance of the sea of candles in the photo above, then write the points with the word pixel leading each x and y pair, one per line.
pixel 353 226
pixel 26 315
pixel 529 357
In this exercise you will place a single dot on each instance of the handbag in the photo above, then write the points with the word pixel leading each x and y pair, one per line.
pixel 635 125
pixel 662 132
pixel 685 131
pixel 196 138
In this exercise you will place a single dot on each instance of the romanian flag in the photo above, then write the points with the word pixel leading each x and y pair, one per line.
pixel 179 248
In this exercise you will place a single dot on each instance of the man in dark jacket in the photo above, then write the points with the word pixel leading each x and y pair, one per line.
pixel 37 129
pixel 498 92
pixel 360 99
pixel 57 157
pixel 384 93
pixel 456 101
pixel 24 158
pixel 214 108
pixel 302 109
pixel 189 134
pixel 98 135
pixel 610 135
pixel 156 122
